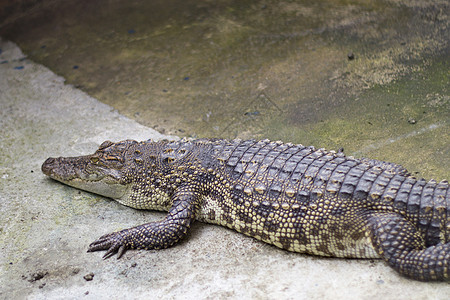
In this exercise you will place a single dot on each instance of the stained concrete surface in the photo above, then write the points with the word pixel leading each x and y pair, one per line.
pixel 368 76
pixel 46 226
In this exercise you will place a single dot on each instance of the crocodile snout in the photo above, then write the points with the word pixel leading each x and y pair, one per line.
pixel 48 166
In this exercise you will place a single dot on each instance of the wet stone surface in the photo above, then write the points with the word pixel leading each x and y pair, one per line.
pixel 259 69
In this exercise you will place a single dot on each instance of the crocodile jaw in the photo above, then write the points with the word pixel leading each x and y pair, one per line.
pixel 78 172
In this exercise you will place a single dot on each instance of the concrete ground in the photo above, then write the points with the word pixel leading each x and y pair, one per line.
pixel 46 226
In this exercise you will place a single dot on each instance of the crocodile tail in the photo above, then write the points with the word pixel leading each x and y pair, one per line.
pixel 434 212
pixel 428 205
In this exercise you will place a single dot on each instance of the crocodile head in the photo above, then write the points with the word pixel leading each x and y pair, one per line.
pixel 103 172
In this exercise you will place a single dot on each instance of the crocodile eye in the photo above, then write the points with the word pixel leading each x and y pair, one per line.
pixel 94 160
pixel 115 159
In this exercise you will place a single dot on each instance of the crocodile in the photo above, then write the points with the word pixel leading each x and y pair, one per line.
pixel 297 198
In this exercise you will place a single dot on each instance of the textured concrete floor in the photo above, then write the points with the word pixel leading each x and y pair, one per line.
pixel 45 226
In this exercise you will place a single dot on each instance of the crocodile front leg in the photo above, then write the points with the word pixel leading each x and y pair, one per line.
pixel 402 246
pixel 155 235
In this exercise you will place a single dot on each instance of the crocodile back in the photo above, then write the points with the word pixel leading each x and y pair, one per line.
pixel 291 196
pixel 312 200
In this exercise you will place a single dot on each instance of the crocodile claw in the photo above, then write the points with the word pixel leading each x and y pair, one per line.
pixel 113 243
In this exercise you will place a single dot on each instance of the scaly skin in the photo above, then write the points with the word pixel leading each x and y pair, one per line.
pixel 294 197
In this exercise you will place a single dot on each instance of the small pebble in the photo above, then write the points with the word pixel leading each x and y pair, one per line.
pixel 89 277
pixel 412 121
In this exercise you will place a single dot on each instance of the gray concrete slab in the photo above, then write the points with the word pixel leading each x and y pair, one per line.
pixel 46 227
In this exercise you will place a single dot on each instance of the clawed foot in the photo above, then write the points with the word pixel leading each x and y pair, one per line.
pixel 114 243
